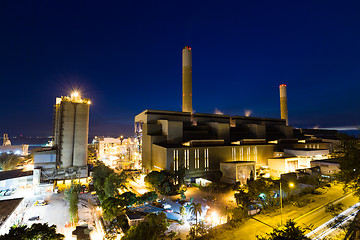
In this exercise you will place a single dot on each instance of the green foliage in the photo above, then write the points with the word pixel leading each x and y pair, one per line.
pixel 195 208
pixel 113 182
pixel 72 196
pixel 289 231
pixel 35 232
pixel 350 165
pixel 243 198
pixel 302 202
pixel 163 182
pixel 128 198
pixel 180 175
pixel 152 228
pixel 334 209
pixel 238 214
pixel 182 212
pixel 100 173
pixel 264 191
pixel 171 235
pixel 116 226
pixel 148 197
pixel 197 231
pixel 216 187
pixel 8 161
pixel 112 208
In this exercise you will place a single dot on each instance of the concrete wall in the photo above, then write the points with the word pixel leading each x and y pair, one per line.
pixel 326 168
pixel 81 134
pixel 66 133
pixel 16 182
pixel 237 171
pixel 71 127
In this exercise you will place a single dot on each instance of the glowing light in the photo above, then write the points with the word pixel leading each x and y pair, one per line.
pixel 75 94
pixel 248 113
pixel 291 185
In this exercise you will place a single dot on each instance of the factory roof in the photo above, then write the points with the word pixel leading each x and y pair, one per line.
pixel 7 207
pixel 331 160
pixel 205 143
pixel 258 118
pixel 14 174
pixel 152 111
pixel 134 216
pixel 239 162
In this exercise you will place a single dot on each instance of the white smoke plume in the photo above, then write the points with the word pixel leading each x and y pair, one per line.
pixel 247 112
pixel 217 111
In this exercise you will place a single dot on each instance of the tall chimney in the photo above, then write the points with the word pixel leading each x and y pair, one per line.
pixel 283 103
pixel 187 80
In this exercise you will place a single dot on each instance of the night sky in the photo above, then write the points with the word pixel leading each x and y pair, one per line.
pixel 126 57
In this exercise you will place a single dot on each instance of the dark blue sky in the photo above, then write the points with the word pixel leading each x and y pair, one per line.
pixel 126 57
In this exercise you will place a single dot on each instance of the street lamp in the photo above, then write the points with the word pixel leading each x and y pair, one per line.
pixel 290 185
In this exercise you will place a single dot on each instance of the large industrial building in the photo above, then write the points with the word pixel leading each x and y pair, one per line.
pixel 205 144
pixel 15 149
pixel 68 156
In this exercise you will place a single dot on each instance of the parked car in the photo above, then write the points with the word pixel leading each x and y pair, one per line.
pixel 34 218
pixel 168 210
pixel 40 203
pixel 166 205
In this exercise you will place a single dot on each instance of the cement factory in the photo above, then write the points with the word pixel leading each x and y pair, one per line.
pixel 67 157
pixel 233 147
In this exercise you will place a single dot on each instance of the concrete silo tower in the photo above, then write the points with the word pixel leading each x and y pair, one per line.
pixel 187 80
pixel 283 103
pixel 70 130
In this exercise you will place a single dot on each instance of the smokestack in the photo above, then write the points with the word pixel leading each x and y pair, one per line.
pixel 187 79
pixel 283 103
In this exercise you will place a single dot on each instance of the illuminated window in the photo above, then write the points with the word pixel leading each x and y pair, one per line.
pixel 233 154
pixel 187 158
pixel 206 158
pixel 176 160
pixel 197 158
pixel 255 154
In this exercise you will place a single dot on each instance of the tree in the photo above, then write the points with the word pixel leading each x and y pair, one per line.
pixel 113 207
pixel 35 232
pixel 289 231
pixel 195 208
pixel 182 212
pixel 154 179
pixel 350 165
pixel 334 209
pixel 8 161
pixel 100 173
pixel 349 155
pixel 72 195
pixel 242 199
pixel 172 234
pixel 114 182
pixel 116 226
pixel 128 198
pixel 162 182
pixel 197 231
pixel 148 197
pixel 153 227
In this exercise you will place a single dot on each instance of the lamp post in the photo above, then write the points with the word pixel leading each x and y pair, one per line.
pixel 290 185
pixel 280 205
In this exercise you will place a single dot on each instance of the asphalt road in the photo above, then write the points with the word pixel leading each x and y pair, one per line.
pixel 319 217
pixel 333 227
pixel 313 214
